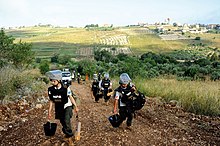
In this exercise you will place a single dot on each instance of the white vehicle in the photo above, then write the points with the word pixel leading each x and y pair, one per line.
pixel 66 77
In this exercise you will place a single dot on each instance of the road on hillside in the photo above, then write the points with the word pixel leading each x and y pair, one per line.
pixel 155 124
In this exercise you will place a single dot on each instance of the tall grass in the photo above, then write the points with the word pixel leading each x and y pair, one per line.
pixel 195 96
pixel 19 82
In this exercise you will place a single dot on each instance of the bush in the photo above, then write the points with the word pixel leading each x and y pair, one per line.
pixel 54 59
pixel 215 75
pixel 19 82
pixel 38 60
pixel 198 38
pixel 44 67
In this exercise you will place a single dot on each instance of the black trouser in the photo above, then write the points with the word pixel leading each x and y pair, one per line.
pixel 95 94
pixel 126 112
pixel 66 121
pixel 105 92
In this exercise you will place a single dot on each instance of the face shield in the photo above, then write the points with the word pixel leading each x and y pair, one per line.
pixel 124 79
pixel 54 75
pixel 106 76
pixel 95 77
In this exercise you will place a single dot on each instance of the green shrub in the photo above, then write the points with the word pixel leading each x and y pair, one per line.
pixel 198 38
pixel 215 75
pixel 16 81
pixel 44 67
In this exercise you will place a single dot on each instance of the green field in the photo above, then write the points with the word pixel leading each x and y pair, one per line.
pixel 48 41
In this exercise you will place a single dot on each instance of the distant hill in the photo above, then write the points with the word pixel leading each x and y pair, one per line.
pixel 81 42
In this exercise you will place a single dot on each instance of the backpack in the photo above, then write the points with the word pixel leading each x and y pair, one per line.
pixel 138 100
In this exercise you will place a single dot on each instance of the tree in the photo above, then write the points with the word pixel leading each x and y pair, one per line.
pixel 6 45
pixel 103 56
pixel 215 75
pixel 86 67
pixel 122 56
pixel 202 62
pixel 64 60
pixel 54 59
pixel 192 71
pixel 44 67
pixel 198 38
pixel 19 54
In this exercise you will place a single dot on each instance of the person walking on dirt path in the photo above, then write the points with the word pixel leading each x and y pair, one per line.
pixel 73 75
pixel 95 87
pixel 123 99
pixel 99 76
pixel 105 85
pixel 64 102
pixel 79 78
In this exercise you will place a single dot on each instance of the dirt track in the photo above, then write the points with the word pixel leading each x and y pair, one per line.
pixel 155 124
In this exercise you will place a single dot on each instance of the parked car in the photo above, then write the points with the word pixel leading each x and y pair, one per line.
pixel 66 77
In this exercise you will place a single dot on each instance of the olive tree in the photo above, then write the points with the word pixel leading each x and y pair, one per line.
pixel 18 54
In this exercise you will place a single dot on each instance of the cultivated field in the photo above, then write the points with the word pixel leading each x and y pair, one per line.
pixel 79 42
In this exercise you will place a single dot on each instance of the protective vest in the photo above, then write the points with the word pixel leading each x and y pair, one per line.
pixel 134 100
pixel 59 97
pixel 126 94
pixel 105 83
pixel 95 85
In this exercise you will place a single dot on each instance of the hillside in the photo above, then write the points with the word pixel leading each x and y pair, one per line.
pixel 79 42
pixel 156 124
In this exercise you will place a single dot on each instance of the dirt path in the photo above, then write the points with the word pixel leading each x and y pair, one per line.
pixel 155 124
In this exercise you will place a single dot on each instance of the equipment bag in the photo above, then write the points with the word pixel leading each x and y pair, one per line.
pixel 138 100
pixel 50 128
pixel 115 120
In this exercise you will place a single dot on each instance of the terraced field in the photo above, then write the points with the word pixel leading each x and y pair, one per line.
pixel 79 42
pixel 118 40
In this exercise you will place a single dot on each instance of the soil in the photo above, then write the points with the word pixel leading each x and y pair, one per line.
pixel 155 124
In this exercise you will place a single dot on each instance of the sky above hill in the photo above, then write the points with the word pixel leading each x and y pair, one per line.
pixel 117 12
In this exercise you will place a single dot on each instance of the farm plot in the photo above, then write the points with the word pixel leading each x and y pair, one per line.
pixel 84 52
pixel 116 51
pixel 143 31
pixel 118 40
pixel 173 37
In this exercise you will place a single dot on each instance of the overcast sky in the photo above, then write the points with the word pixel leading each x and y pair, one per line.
pixel 116 12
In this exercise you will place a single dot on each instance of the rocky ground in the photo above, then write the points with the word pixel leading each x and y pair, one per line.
pixel 21 124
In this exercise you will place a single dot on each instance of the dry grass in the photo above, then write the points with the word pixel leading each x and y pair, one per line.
pixel 19 82
pixel 195 96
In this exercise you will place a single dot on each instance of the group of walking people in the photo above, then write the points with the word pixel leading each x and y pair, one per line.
pixel 123 101
pixel 101 87
pixel 62 98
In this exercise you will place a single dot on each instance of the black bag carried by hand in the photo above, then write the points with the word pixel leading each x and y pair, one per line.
pixel 115 120
pixel 50 128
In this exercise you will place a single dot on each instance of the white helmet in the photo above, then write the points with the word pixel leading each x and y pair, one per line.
pixel 106 76
pixel 54 74
pixel 124 79
pixel 95 77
